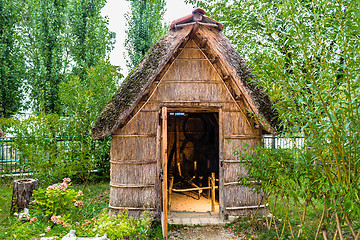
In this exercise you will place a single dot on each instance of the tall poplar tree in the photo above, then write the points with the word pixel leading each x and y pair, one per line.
pixel 91 38
pixel 11 60
pixel 44 37
pixel 144 28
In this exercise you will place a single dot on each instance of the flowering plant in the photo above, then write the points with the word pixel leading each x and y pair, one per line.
pixel 57 202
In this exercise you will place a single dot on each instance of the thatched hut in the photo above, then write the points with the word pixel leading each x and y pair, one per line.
pixel 179 115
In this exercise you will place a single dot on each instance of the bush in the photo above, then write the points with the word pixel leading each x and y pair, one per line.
pixel 57 214
pixel 118 227
pixel 58 202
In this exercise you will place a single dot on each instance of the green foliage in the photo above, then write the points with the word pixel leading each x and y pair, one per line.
pixel 91 38
pixel 53 147
pixel 64 45
pixel 44 38
pixel 119 227
pixel 41 42
pixel 83 100
pixel 12 63
pixel 252 230
pixel 306 55
pixel 144 28
pixel 89 220
pixel 156 230
pixel 59 200
pixel 38 141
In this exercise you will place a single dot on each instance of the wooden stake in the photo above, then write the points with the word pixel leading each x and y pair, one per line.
pixel 213 192
pixel 170 190
pixel 209 185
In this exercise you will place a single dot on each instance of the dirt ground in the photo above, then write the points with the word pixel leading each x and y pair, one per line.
pixel 183 204
pixel 190 203
pixel 204 233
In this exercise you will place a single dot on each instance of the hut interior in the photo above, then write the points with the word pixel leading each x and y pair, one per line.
pixel 193 159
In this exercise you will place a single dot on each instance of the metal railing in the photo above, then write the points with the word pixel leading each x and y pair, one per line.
pixel 11 161
pixel 9 156
pixel 275 142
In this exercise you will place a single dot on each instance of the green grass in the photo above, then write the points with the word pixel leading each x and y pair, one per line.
pixel 257 229
pixel 5 204
pixel 156 230
pixel 96 198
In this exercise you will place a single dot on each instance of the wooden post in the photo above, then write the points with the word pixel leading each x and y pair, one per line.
pixel 200 185
pixel 164 156
pixel 209 185
pixel 213 192
pixel 22 193
pixel 177 144
pixel 170 190
pixel 222 200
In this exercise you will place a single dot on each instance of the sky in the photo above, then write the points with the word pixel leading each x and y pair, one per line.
pixel 115 10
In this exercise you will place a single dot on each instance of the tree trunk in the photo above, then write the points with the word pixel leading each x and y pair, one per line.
pixel 22 193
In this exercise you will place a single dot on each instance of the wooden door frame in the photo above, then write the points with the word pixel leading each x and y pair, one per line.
pixel 164 188
pixel 222 209
pixel 217 109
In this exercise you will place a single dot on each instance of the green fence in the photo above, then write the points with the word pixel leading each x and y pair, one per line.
pixel 275 142
pixel 9 157
pixel 11 161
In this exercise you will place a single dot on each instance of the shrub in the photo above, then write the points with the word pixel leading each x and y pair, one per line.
pixel 58 202
pixel 117 227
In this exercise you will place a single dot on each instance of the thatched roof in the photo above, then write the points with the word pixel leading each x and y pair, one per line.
pixel 241 73
pixel 136 85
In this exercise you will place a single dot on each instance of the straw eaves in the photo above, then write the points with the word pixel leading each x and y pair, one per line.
pixel 139 80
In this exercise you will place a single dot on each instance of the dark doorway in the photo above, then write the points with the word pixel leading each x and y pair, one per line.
pixel 193 158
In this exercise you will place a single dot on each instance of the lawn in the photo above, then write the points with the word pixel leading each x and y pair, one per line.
pixel 87 221
pixel 93 213
pixel 96 196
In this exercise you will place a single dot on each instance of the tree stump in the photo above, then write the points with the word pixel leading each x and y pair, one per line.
pixel 22 193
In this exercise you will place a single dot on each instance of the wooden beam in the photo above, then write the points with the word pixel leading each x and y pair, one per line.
pixel 246 207
pixel 132 208
pixel 242 136
pixel 178 145
pixel 170 191
pixel 213 192
pixel 191 59
pixel 164 157
pixel 193 30
pixel 135 162
pixel 134 135
pixel 222 201
pixel 191 189
pixel 131 185
pixel 192 82
pixel 232 183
